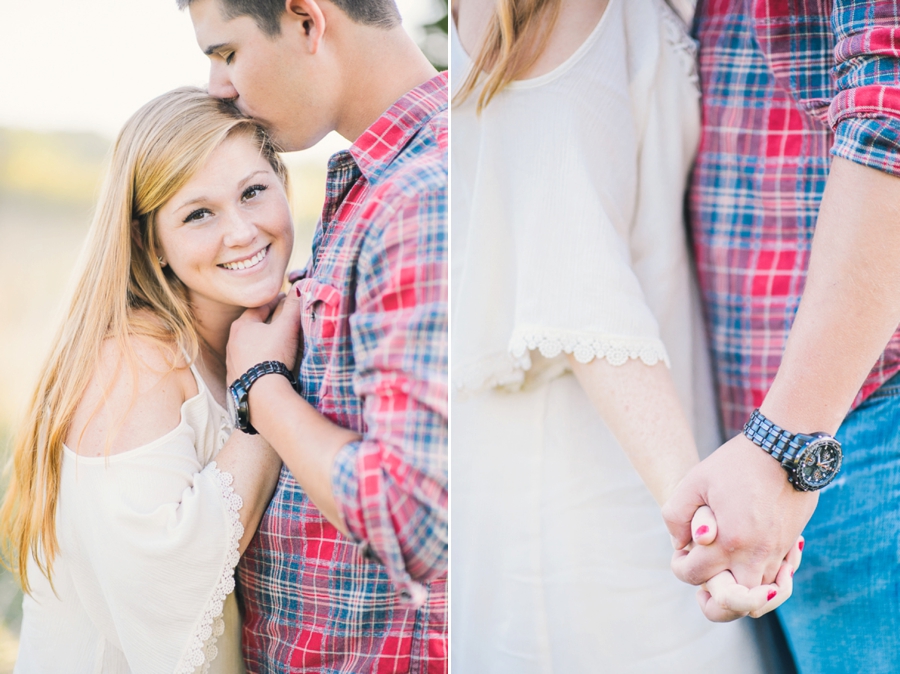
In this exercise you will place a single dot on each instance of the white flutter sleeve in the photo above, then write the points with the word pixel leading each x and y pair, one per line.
pixel 152 538
pixel 546 194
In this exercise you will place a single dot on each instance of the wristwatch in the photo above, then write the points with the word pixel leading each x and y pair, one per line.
pixel 238 398
pixel 811 460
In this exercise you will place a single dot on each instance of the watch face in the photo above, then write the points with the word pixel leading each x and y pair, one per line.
pixel 818 464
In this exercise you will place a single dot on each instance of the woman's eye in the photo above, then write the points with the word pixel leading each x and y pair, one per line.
pixel 253 191
pixel 199 214
pixel 229 58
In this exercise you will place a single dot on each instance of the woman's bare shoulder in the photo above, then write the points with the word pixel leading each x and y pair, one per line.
pixel 134 397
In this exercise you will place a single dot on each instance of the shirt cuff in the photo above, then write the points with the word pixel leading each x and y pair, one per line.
pixel 866 123
pixel 346 475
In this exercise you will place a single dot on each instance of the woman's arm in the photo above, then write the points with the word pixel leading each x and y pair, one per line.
pixel 131 403
pixel 255 467
pixel 639 404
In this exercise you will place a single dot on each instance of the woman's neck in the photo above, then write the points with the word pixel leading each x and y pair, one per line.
pixel 213 321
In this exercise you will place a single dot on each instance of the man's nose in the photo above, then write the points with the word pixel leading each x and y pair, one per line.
pixel 220 84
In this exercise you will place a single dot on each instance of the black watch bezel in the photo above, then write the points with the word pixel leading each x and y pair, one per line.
pixel 812 449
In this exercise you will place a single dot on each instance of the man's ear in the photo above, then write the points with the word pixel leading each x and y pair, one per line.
pixel 308 20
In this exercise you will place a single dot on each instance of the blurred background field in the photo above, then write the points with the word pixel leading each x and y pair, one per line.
pixel 52 160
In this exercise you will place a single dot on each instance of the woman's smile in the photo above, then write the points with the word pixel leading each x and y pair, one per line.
pixel 227 233
pixel 247 263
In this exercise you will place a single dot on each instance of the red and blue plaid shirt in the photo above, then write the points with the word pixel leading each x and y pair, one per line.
pixel 786 84
pixel 375 361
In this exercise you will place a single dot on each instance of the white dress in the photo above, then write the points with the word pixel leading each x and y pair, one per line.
pixel 568 237
pixel 145 577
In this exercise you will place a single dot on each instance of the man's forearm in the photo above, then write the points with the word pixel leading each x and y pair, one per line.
pixel 851 303
pixel 306 441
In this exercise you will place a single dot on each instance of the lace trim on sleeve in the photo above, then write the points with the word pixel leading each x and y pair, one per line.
pixel 584 346
pixel 507 370
pixel 202 649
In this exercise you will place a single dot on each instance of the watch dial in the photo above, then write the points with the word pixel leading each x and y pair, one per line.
pixel 818 464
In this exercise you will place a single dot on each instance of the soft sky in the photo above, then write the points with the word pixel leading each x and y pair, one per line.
pixel 86 65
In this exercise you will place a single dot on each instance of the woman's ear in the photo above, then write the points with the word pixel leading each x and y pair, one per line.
pixel 308 20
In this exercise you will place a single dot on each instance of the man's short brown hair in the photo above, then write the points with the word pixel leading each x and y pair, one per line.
pixel 267 13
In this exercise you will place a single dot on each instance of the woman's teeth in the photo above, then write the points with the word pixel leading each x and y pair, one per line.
pixel 246 264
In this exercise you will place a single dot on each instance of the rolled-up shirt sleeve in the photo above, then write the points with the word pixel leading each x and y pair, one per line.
pixel 865 113
pixel 391 486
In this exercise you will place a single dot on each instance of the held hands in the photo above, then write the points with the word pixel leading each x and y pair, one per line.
pixel 759 518
pixel 721 598
pixel 269 332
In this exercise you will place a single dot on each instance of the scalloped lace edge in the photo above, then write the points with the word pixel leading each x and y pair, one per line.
pixel 585 346
pixel 202 650
pixel 507 370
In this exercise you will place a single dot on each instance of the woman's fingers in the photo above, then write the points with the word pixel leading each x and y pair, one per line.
pixel 703 526
pixel 722 599
pixel 713 608
pixel 731 596
pixel 796 554
pixel 783 588
pixel 714 612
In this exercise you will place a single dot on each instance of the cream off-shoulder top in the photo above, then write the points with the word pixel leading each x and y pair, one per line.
pixel 145 577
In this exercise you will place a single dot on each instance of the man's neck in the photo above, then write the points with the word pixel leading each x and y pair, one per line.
pixel 374 84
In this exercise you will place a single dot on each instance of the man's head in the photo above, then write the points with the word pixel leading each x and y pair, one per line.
pixel 289 64
pixel 268 13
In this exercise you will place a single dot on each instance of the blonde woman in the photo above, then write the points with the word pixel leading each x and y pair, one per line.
pixel 131 499
pixel 581 383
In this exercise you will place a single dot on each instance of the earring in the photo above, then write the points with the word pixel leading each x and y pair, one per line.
pixel 162 263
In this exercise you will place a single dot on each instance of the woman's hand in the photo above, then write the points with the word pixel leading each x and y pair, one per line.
pixel 721 598
pixel 270 332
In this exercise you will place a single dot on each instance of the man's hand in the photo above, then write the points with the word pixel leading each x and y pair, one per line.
pixel 721 598
pixel 759 514
pixel 252 340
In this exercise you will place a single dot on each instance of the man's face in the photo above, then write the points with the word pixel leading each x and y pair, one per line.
pixel 274 80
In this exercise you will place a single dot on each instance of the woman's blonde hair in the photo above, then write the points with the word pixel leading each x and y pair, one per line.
pixel 121 290
pixel 516 37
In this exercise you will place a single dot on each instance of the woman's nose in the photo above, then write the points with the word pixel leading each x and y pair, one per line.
pixel 241 230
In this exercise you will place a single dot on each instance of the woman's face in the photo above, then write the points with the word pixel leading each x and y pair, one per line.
pixel 227 233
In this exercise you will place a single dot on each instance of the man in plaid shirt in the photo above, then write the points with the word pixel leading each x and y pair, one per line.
pixel 801 132
pixel 347 572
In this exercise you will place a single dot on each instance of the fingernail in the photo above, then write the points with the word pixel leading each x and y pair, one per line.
pixel 297 290
pixel 800 545
pixel 771 595
pixel 701 530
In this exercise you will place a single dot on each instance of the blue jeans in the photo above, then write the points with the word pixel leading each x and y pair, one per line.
pixel 844 615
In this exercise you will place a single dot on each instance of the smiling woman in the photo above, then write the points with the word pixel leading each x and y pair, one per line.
pixel 227 234
pixel 127 421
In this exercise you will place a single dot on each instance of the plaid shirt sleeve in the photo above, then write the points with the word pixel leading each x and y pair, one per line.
pixel 865 114
pixel 392 485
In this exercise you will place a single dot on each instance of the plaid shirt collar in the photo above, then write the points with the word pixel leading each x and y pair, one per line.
pixel 386 138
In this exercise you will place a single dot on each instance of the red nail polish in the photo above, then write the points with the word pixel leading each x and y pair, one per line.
pixel 801 546
pixel 772 594
pixel 297 290
pixel 701 530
